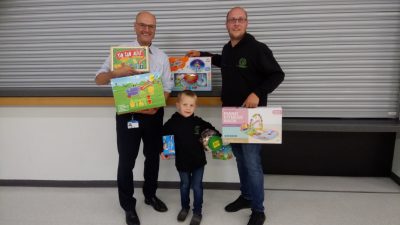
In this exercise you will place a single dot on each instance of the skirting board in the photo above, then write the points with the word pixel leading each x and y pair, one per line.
pixel 109 183
pixel 395 178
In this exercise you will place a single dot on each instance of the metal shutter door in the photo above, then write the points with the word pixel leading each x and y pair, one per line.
pixel 341 58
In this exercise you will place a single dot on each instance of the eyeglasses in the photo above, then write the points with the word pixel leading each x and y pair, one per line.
pixel 239 20
pixel 149 26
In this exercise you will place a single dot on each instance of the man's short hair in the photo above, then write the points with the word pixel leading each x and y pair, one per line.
pixel 237 7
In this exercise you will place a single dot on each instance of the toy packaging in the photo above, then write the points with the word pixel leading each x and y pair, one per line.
pixel 191 73
pixel 138 92
pixel 252 125
pixel 168 147
pixel 135 57
pixel 224 153
pixel 211 140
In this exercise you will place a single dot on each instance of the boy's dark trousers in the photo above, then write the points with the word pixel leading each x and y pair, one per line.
pixel 128 143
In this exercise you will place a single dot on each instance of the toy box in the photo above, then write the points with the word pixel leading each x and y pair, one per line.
pixel 135 57
pixel 138 92
pixel 168 146
pixel 224 153
pixel 191 73
pixel 252 125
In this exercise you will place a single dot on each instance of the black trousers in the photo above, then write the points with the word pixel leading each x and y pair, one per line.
pixel 128 143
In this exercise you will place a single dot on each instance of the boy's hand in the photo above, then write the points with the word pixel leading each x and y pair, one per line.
pixel 164 156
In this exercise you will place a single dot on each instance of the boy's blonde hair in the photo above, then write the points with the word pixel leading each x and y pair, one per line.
pixel 188 93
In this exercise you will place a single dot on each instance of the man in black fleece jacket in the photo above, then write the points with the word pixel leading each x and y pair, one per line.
pixel 249 73
pixel 190 158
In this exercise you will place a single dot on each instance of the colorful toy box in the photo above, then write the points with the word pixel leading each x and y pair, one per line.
pixel 224 153
pixel 138 92
pixel 191 73
pixel 252 125
pixel 168 146
pixel 135 57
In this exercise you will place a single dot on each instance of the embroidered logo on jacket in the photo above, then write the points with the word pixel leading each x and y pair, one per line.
pixel 242 63
pixel 197 130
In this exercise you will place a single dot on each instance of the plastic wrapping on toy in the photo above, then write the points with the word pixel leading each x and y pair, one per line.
pixel 211 140
pixel 224 153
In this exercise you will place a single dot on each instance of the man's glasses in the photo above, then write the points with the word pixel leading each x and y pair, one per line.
pixel 144 26
pixel 234 20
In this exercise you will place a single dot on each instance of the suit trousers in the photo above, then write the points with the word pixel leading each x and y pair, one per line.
pixel 149 131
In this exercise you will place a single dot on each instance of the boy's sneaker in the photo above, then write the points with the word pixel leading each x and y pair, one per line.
pixel 196 219
pixel 256 218
pixel 182 214
pixel 238 204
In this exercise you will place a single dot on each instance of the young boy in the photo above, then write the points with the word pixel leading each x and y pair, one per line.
pixel 190 157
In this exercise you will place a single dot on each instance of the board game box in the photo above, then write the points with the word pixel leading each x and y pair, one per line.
pixel 135 57
pixel 138 92
pixel 191 73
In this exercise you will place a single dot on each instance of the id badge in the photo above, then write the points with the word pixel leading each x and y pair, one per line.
pixel 133 124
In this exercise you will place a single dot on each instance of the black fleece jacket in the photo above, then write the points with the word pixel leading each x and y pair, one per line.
pixel 248 67
pixel 189 151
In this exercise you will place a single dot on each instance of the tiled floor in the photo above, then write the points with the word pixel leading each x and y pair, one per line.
pixel 290 200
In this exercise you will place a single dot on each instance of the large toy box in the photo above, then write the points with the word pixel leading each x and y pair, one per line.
pixel 138 92
pixel 191 73
pixel 252 125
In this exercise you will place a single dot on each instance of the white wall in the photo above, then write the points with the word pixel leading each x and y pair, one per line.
pixel 79 143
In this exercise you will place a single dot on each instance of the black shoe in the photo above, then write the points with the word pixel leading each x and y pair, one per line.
pixel 196 219
pixel 182 214
pixel 238 204
pixel 256 218
pixel 132 217
pixel 157 204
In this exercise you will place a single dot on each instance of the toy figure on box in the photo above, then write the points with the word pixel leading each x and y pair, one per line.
pixel 190 157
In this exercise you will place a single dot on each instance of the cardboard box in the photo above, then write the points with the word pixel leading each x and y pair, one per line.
pixel 168 145
pixel 225 153
pixel 135 57
pixel 191 73
pixel 252 125
pixel 138 92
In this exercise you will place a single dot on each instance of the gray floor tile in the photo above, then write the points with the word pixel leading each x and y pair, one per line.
pixel 290 200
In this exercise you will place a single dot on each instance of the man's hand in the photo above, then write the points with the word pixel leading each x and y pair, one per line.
pixel 124 71
pixel 193 53
pixel 251 101
pixel 148 111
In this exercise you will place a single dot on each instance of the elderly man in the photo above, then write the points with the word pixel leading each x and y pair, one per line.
pixel 149 124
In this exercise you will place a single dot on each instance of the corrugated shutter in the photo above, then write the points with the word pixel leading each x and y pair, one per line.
pixel 341 58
